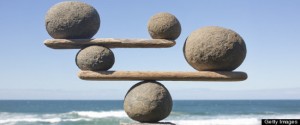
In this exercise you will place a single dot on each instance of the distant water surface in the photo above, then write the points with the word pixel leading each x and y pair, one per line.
pixel 204 112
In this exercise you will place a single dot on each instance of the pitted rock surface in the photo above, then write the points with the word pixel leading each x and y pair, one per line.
pixel 164 26
pixel 148 101
pixel 214 49
pixel 72 20
pixel 95 58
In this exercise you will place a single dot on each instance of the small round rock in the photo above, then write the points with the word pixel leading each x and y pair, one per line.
pixel 214 48
pixel 164 26
pixel 148 101
pixel 72 20
pixel 95 58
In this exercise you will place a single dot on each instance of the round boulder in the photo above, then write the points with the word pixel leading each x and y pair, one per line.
pixel 148 101
pixel 95 58
pixel 214 49
pixel 72 20
pixel 164 26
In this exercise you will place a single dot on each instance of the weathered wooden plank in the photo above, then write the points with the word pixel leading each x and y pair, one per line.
pixel 108 42
pixel 162 76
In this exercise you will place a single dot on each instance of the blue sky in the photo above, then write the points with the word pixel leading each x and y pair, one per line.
pixel 270 28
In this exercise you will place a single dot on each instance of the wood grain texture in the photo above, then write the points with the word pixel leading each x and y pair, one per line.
pixel 109 43
pixel 162 76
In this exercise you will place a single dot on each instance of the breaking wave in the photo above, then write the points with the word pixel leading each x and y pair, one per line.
pixel 73 116
pixel 115 117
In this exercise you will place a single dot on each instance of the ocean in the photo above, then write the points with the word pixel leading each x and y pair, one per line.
pixel 187 112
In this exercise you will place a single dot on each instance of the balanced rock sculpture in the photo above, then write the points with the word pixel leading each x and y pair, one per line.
pixel 213 51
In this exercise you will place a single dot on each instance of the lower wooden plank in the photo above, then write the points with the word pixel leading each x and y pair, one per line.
pixel 162 76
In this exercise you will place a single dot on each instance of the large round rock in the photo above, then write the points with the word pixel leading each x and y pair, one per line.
pixel 214 49
pixel 72 20
pixel 96 58
pixel 164 26
pixel 148 101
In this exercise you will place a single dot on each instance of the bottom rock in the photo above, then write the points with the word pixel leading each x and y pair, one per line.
pixel 159 123
pixel 148 102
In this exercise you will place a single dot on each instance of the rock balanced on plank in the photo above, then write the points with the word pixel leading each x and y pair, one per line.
pixel 164 26
pixel 72 20
pixel 214 48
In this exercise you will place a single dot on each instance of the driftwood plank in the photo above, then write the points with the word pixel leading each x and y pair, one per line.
pixel 162 76
pixel 108 42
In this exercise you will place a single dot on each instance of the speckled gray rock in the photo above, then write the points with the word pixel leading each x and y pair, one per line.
pixel 95 58
pixel 148 101
pixel 159 123
pixel 164 26
pixel 214 49
pixel 72 20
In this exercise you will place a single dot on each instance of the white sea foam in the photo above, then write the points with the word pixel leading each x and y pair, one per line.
pixel 76 119
pixel 45 120
pixel 238 121
pixel 102 114
pixel 14 120
pixel 179 119
pixel 6 118
pixel 18 117
pixel 231 119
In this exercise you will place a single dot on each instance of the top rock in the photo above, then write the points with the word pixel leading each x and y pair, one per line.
pixel 72 20
pixel 164 26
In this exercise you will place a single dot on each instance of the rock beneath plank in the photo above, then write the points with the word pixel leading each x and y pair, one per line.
pixel 95 58
pixel 159 123
pixel 148 101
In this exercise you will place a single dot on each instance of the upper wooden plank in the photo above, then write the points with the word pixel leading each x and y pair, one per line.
pixel 162 76
pixel 109 43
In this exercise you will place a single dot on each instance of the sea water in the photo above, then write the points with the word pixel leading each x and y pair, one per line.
pixel 188 112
